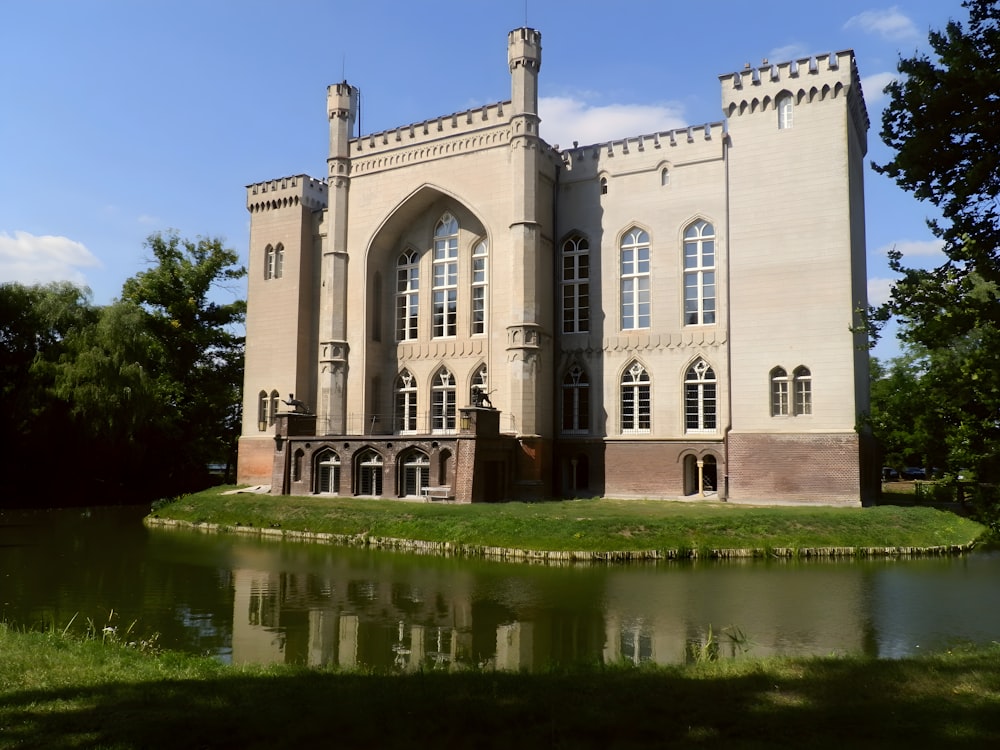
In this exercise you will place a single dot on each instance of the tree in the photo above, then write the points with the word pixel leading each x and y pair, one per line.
pixel 942 123
pixel 36 323
pixel 195 355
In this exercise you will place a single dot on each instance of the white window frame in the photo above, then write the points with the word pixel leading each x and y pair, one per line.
pixel 576 285
pixel 700 290
pixel 802 379
pixel 635 281
pixel 443 408
pixel 635 404
pixel 780 403
pixel 480 287
pixel 405 417
pixel 444 279
pixel 701 399
pixel 407 295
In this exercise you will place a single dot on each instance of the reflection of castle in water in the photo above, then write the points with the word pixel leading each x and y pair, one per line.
pixel 447 618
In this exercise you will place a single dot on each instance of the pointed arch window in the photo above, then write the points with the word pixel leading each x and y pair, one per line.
pixel 407 295
pixel 779 392
pixel 369 473
pixel 785 106
pixel 443 401
pixel 279 261
pixel 803 390
pixel 635 280
pixel 414 468
pixel 263 401
pixel 575 400
pixel 480 385
pixel 273 408
pixel 405 417
pixel 576 285
pixel 444 312
pixel 327 472
pixel 700 402
pixel 268 262
pixel 635 400
pixel 699 274
pixel 480 283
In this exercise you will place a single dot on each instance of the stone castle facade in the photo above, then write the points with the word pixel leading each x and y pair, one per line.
pixel 463 310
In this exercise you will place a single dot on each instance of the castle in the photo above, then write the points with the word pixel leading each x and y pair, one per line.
pixel 464 311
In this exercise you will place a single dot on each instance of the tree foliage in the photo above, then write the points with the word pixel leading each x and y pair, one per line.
pixel 943 126
pixel 127 402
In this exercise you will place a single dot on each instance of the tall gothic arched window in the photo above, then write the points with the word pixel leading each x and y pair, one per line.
pixel 444 310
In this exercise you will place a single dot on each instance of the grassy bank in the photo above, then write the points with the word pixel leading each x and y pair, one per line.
pixel 63 692
pixel 594 525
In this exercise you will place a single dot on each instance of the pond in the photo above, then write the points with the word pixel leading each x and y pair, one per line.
pixel 241 599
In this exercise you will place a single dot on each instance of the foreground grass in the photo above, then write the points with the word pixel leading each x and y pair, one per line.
pixel 593 525
pixel 63 692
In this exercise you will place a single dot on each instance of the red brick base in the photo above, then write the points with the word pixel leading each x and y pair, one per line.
pixel 800 468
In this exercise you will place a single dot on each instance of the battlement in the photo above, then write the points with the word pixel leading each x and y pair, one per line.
pixel 680 138
pixel 285 192
pixel 820 76
pixel 524 48
pixel 456 124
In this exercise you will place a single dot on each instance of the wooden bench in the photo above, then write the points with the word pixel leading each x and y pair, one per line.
pixel 436 493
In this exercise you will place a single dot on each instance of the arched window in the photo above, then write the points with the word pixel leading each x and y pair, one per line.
pixel 700 404
pixel 664 177
pixel 369 473
pixel 699 274
pixel 575 400
pixel 268 262
pixel 604 186
pixel 297 464
pixel 779 392
pixel 327 472
pixel 635 279
pixel 576 285
pixel 405 417
pixel 407 295
pixel 803 390
pixel 444 312
pixel 480 283
pixel 262 403
pixel 443 401
pixel 635 403
pixel 480 385
pixel 414 472
pixel 273 410
pixel 279 261
pixel 785 106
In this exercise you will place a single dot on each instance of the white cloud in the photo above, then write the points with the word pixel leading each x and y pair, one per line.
pixel 567 119
pixel 879 290
pixel 788 52
pixel 889 24
pixel 873 85
pixel 34 259
pixel 924 249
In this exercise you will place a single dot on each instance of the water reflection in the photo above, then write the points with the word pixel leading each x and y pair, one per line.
pixel 517 620
pixel 246 600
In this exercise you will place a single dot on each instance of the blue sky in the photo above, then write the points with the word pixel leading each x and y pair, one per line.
pixel 119 118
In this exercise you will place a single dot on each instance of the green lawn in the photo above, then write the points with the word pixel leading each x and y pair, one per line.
pixel 599 525
pixel 65 692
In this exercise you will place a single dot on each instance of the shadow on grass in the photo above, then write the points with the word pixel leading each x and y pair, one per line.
pixel 828 703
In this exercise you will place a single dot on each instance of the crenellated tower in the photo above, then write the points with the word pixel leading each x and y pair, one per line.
pixel 333 351
pixel 797 270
